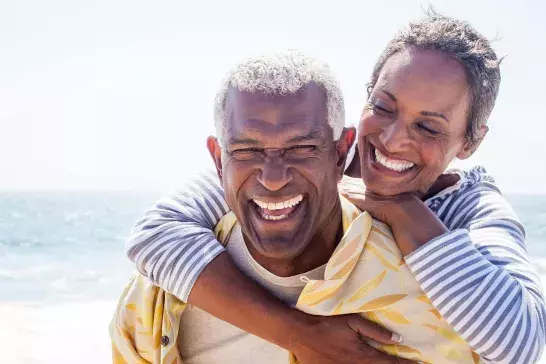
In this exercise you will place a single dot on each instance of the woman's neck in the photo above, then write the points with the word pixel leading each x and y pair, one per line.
pixel 443 182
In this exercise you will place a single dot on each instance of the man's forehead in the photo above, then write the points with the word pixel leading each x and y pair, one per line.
pixel 258 133
pixel 258 116
pixel 309 92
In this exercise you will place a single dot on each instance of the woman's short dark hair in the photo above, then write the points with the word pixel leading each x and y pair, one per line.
pixel 460 41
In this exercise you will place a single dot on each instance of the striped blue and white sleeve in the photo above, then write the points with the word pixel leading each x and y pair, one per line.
pixel 480 279
pixel 174 241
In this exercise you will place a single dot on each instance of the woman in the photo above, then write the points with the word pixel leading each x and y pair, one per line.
pixel 431 93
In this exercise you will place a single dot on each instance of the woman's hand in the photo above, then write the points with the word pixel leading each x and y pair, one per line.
pixel 340 340
pixel 382 208
pixel 413 224
pixel 311 357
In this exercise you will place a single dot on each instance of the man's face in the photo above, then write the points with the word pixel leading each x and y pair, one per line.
pixel 280 167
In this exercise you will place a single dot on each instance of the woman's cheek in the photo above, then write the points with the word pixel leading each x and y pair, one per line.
pixel 367 125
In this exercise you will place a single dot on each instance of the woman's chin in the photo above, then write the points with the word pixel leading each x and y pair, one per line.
pixel 385 186
pixel 386 191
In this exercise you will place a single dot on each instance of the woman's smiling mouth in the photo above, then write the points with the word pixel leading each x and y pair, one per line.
pixel 386 164
pixel 396 165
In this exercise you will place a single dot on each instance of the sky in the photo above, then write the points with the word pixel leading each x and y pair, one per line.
pixel 118 95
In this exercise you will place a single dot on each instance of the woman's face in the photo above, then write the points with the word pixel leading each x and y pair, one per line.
pixel 415 122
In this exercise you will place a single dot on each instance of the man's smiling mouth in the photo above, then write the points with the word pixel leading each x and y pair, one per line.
pixel 278 210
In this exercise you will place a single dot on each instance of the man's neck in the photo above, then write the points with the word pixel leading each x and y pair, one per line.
pixel 317 253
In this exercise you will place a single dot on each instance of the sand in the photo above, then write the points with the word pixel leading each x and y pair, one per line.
pixel 70 332
pixel 66 333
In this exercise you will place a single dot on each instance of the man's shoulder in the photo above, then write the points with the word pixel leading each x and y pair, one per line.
pixel 349 212
pixel 225 227
pixel 141 296
pixel 138 319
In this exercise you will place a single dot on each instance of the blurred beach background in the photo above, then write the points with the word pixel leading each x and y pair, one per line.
pixel 106 105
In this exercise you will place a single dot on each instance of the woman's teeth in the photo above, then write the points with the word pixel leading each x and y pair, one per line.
pixel 270 210
pixel 394 165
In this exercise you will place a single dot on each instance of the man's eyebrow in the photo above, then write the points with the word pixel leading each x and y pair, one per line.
pixel 312 135
pixel 244 141
pixel 434 114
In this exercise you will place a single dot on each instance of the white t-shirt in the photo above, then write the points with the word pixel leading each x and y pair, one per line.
pixel 205 339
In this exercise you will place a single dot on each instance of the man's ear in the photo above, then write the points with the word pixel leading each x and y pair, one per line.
pixel 471 145
pixel 343 145
pixel 216 153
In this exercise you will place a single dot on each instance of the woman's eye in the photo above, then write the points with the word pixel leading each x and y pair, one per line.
pixel 380 109
pixel 427 129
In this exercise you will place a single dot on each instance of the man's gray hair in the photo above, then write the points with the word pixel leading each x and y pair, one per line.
pixel 282 73
pixel 460 41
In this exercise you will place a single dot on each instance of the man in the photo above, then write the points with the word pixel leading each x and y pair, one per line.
pixel 279 153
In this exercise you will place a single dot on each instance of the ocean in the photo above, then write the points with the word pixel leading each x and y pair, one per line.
pixel 62 267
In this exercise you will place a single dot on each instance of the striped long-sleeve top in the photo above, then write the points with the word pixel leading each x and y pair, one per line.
pixel 477 275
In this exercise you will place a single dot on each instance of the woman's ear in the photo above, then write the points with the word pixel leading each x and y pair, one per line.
pixel 215 151
pixel 471 145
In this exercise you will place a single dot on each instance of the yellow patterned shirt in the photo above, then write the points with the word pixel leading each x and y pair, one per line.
pixel 366 274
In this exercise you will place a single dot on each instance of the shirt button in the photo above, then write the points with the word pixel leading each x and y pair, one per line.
pixel 164 340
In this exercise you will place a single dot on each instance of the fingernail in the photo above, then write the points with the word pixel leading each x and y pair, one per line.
pixel 397 338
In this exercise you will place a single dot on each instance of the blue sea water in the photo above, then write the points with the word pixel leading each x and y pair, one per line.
pixel 66 246
pixel 69 246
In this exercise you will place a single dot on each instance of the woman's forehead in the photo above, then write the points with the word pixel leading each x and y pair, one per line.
pixel 424 66
pixel 425 79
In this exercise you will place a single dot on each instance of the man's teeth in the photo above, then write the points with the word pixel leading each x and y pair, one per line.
pixel 279 205
pixel 271 217
pixel 395 165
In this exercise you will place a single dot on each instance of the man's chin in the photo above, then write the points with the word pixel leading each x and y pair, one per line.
pixel 276 247
pixel 277 239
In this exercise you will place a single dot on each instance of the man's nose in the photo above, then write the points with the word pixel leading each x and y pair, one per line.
pixel 274 173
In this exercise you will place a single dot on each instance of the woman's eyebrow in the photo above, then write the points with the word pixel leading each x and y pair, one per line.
pixel 436 114
pixel 424 113
pixel 391 96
